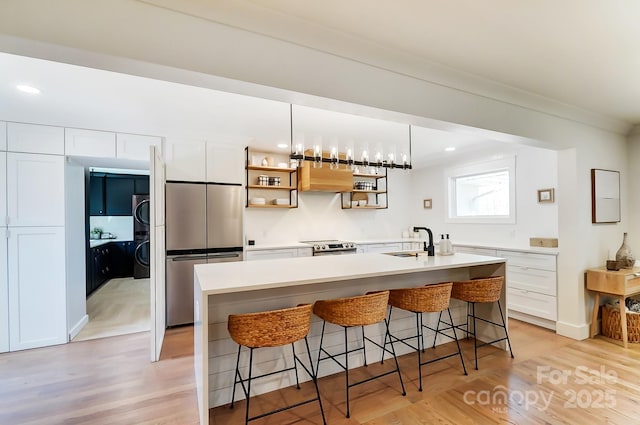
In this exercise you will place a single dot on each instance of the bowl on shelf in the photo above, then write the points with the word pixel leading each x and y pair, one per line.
pixel 257 201
pixel 354 204
pixel 362 203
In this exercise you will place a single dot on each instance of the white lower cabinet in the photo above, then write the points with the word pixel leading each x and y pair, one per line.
pixel 373 248
pixel 531 287
pixel 37 289
pixel 270 254
pixel 4 293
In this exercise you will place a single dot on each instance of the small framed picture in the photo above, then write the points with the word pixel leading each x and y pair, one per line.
pixel 545 196
pixel 427 204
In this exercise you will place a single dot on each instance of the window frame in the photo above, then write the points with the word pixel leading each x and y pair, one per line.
pixel 485 167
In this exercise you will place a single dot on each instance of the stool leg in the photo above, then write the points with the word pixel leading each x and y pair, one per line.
pixel 393 351
pixel 235 377
pixel 364 351
pixel 295 365
pixel 504 325
pixel 384 345
pixel 320 348
pixel 420 347
pixel 475 339
pixel 246 415
pixel 346 363
pixel 314 377
pixel 435 336
pixel 455 336
pixel 468 326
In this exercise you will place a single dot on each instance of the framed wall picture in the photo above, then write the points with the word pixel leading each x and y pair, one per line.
pixel 427 204
pixel 605 196
pixel 546 196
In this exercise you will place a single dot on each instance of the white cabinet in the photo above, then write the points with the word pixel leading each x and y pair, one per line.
pixel 3 188
pixel 4 293
pixel 477 251
pixel 37 295
pixel 35 138
pixel 3 136
pixel 35 190
pixel 135 147
pixel 270 254
pixel 4 290
pixel 531 287
pixel 185 160
pixel 372 248
pixel 225 163
pixel 101 144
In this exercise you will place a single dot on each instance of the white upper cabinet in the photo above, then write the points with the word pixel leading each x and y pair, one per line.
pixel 225 163
pixel 37 294
pixel 101 144
pixel 4 290
pixel 35 138
pixel 134 146
pixel 35 190
pixel 3 136
pixel 185 160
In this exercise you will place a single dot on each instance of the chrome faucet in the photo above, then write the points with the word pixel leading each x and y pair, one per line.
pixel 431 251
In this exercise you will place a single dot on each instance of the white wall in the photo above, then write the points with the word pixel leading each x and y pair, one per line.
pixel 535 169
pixel 75 254
pixel 319 216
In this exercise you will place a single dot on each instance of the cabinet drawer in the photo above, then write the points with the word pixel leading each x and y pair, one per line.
pixel 476 251
pixel 536 280
pixel 532 303
pixel 527 259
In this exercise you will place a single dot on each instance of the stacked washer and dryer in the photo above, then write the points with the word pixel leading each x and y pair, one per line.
pixel 141 229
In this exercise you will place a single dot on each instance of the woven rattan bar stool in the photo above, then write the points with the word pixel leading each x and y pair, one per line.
pixel 272 329
pixel 351 312
pixel 432 298
pixel 482 290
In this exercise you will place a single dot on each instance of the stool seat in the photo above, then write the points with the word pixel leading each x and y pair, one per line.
pixel 272 329
pixel 481 290
pixel 432 298
pixel 358 311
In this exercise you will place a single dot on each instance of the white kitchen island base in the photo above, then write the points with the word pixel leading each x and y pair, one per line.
pixel 243 287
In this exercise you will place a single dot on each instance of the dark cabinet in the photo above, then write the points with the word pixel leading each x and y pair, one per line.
pixel 114 259
pixel 118 192
pixel 110 194
pixel 96 195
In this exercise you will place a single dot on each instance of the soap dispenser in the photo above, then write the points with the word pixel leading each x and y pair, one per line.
pixel 449 245
pixel 442 246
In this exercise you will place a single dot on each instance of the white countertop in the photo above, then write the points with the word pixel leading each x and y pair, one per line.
pixel 98 242
pixel 241 276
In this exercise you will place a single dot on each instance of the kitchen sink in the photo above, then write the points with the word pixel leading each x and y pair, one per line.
pixel 406 253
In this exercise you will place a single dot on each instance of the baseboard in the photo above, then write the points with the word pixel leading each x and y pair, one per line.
pixel 75 330
pixel 544 323
pixel 570 330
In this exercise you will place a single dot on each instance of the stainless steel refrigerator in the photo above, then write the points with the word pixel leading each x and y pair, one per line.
pixel 203 224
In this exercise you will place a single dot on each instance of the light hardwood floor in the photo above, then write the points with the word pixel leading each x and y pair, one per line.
pixel 102 382
pixel 120 306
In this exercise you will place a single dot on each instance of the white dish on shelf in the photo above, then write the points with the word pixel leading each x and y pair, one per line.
pixel 257 201
pixel 280 201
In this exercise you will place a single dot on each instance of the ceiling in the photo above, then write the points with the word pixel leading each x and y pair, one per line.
pixel 582 53
pixel 80 97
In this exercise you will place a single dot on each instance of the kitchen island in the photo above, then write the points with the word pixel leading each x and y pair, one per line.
pixel 242 287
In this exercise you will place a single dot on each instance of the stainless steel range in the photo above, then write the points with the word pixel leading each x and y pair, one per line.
pixel 332 247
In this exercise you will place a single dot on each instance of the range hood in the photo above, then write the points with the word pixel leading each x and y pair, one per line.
pixel 324 179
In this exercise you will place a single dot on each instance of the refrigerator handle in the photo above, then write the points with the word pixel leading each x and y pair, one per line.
pixel 189 258
pixel 225 255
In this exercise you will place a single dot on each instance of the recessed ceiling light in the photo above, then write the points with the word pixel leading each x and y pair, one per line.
pixel 283 145
pixel 450 149
pixel 27 89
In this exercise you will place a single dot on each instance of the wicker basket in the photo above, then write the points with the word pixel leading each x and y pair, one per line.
pixel 611 324
pixel 481 290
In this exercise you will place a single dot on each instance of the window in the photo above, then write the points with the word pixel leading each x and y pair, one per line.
pixel 482 193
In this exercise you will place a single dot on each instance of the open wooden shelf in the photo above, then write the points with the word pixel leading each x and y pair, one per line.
pixel 270 187
pixel 270 206
pixel 262 168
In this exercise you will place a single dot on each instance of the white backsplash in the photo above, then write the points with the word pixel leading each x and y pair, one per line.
pixel 119 226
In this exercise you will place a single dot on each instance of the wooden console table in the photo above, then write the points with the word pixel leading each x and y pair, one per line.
pixel 620 284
